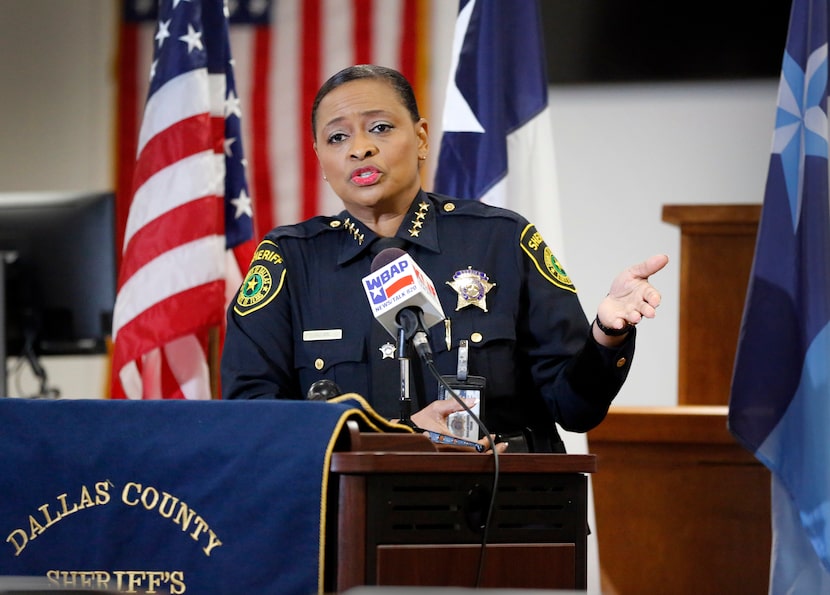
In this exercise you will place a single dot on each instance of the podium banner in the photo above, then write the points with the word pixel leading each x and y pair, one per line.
pixel 170 496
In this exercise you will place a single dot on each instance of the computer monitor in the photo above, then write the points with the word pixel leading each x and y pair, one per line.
pixel 59 272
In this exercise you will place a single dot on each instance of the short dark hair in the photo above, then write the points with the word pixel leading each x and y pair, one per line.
pixel 367 71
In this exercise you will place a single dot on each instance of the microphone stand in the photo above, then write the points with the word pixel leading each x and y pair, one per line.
pixel 410 330
pixel 410 323
pixel 405 399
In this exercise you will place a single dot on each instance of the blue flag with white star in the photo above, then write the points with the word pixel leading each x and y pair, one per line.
pixel 497 141
pixel 779 407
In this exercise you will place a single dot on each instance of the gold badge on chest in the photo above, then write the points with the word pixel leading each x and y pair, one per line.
pixel 472 287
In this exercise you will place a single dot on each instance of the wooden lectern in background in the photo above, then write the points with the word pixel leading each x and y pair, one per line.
pixel 717 245
pixel 681 508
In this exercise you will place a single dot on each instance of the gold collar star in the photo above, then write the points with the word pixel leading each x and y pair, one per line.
pixel 354 230
pixel 418 221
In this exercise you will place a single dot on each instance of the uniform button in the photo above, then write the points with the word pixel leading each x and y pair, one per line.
pixel 449 207
pixel 621 362
pixel 476 337
pixel 319 363
pixel 334 224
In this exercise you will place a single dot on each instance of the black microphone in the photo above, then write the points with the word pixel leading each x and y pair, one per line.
pixel 411 321
pixel 323 390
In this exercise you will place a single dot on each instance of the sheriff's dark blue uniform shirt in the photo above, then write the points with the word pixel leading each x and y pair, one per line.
pixel 302 315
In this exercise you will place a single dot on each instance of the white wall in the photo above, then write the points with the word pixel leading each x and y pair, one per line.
pixel 57 120
pixel 623 151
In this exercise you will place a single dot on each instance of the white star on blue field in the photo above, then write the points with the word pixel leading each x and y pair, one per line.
pixel 801 122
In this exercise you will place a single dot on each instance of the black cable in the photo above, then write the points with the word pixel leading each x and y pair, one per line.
pixel 486 526
pixel 30 355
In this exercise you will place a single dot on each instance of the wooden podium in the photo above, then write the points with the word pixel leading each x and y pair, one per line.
pixel 717 245
pixel 409 514
pixel 680 507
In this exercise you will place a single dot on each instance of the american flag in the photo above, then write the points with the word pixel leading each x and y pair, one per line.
pixel 189 228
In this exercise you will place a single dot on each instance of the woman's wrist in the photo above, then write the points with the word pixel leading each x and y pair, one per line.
pixel 611 331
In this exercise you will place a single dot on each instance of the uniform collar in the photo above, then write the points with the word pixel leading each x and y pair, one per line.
pixel 419 227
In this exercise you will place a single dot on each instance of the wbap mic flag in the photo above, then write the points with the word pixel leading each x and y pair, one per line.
pixel 398 285
pixel 780 400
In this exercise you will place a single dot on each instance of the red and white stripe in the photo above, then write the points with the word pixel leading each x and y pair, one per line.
pixel 172 267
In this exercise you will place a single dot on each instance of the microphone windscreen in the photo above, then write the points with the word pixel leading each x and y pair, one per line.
pixel 323 390
pixel 386 256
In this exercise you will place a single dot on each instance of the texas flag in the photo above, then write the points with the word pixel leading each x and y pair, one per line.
pixel 497 143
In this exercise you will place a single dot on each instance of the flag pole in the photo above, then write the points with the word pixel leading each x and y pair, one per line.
pixel 213 361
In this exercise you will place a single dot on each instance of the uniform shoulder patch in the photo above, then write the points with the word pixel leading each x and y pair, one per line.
pixel 264 280
pixel 546 263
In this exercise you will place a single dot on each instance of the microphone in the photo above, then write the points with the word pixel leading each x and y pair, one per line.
pixel 404 301
pixel 403 297
pixel 323 390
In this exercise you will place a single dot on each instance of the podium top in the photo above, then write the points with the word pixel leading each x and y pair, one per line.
pixel 369 452
pixel 415 453
pixel 363 462
pixel 712 214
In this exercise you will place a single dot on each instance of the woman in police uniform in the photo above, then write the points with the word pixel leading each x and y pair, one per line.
pixel 513 317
